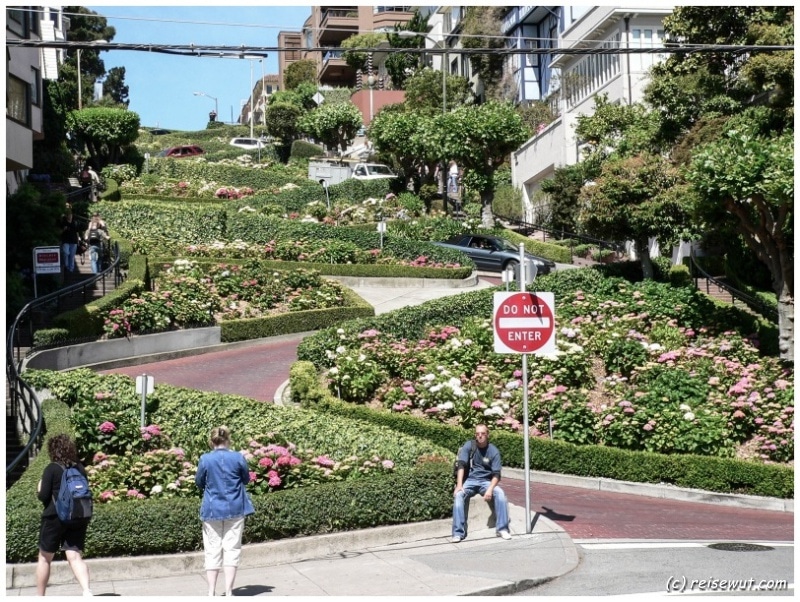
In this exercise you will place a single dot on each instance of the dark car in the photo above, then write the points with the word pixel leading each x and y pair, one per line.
pixel 186 150
pixel 494 253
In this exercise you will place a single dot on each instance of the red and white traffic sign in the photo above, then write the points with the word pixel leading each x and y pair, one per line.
pixel 524 323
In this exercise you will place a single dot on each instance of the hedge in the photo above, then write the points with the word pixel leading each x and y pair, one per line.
pixel 724 475
pixel 161 526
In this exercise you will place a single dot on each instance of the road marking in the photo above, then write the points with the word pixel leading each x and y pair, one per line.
pixel 640 545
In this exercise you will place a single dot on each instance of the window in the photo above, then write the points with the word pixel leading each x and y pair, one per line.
pixel 36 87
pixel 17 21
pixel 18 100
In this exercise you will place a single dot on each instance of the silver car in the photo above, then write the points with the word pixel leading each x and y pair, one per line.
pixel 494 253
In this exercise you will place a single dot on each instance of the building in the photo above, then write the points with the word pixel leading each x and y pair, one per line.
pixel 292 42
pixel 23 94
pixel 265 87
pixel 575 79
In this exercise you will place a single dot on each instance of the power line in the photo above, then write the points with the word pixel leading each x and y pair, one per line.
pixel 262 51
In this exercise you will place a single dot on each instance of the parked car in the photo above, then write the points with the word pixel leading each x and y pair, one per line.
pixel 178 152
pixel 247 143
pixel 494 253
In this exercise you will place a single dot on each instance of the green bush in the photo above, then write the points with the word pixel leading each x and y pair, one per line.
pixel 725 475
pixel 419 489
pixel 305 150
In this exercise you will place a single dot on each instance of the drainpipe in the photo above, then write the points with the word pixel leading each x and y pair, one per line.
pixel 628 57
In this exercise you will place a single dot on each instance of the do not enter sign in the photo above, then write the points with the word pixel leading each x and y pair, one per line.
pixel 524 323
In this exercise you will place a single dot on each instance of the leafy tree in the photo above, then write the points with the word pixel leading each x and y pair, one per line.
pixel 482 29
pixel 333 125
pixel 424 91
pixel 401 65
pixel 622 129
pixel 686 87
pixel 304 70
pixel 564 189
pixel 104 132
pixel 751 178
pixel 282 118
pixel 114 86
pixel 479 138
pixel 401 135
pixel 358 60
pixel 633 199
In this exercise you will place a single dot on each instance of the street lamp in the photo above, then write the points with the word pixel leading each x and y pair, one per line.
pixel 80 85
pixel 216 105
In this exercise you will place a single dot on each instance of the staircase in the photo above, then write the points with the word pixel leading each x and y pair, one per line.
pixel 40 317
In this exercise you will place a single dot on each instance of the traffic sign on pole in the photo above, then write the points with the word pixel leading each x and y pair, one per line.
pixel 524 323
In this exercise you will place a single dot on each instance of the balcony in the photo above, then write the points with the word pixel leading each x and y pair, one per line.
pixel 335 71
pixel 337 24
pixel 388 19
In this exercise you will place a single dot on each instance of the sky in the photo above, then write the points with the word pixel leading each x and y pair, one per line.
pixel 162 86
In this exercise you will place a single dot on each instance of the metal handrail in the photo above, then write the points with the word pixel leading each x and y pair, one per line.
pixel 752 302
pixel 562 234
pixel 25 405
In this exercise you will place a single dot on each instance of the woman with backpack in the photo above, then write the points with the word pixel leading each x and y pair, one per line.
pixel 55 533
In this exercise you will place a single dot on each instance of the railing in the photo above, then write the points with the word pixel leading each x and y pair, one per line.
pixel 754 303
pixel 526 228
pixel 25 407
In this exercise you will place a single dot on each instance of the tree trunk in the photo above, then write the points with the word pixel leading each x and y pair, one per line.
pixel 643 250
pixel 785 322
pixel 487 216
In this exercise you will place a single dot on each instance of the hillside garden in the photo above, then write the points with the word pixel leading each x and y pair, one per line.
pixel 652 380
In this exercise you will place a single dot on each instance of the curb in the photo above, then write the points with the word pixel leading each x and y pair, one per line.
pixel 660 490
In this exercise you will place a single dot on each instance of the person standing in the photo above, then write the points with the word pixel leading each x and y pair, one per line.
pixel 94 182
pixel 452 177
pixel 479 466
pixel 222 475
pixel 95 235
pixel 52 532
pixel 70 236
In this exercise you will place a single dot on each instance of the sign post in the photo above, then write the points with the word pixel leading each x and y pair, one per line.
pixel 524 323
pixel 46 260
pixel 144 384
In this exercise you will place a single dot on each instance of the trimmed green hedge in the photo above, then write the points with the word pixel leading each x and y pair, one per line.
pixel 411 494
pixel 699 472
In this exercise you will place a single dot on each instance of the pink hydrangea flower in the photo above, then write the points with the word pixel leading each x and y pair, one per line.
pixel 108 427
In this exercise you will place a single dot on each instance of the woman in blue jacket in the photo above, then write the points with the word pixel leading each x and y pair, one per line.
pixel 222 476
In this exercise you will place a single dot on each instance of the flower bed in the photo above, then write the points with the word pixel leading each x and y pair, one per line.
pixel 639 366
pixel 187 294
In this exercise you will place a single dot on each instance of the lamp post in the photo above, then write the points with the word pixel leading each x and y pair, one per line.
pixel 80 102
pixel 216 105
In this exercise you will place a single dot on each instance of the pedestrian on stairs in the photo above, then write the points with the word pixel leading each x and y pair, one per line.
pixel 70 236
pixel 95 235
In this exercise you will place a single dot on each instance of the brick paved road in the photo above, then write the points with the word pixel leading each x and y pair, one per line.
pixel 591 514
pixel 257 371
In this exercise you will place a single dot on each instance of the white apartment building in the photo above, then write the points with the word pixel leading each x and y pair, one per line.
pixel 26 69
pixel 575 79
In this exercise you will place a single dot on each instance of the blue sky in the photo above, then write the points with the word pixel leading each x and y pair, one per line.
pixel 162 86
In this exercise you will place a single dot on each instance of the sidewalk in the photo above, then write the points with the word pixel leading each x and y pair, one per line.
pixel 403 560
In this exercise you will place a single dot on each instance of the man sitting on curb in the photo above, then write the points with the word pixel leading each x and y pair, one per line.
pixel 479 467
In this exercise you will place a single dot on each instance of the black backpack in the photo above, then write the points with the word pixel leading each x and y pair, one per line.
pixel 74 498
pixel 473 447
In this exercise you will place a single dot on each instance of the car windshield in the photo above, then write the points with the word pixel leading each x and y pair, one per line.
pixel 379 170
pixel 503 245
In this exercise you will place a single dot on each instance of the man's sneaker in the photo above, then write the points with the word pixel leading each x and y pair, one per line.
pixel 456 539
pixel 504 534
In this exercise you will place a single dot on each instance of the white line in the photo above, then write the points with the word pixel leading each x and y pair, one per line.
pixel 642 545
pixel 533 322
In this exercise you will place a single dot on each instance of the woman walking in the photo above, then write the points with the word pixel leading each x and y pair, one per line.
pixel 222 476
pixel 53 533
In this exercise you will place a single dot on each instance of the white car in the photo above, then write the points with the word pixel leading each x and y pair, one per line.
pixel 247 143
